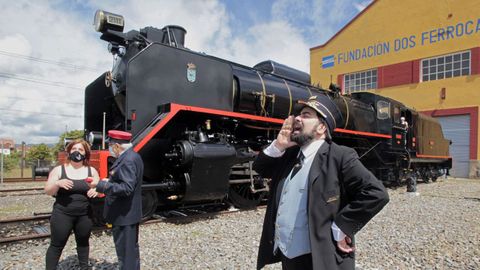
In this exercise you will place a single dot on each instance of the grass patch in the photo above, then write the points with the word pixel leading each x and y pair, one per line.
pixel 12 209
pixel 195 233
pixel 17 173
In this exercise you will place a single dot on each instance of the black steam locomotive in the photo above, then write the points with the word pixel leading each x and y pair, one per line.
pixel 198 121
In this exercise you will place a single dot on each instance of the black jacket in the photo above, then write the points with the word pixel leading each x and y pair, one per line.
pixel 341 189
pixel 123 201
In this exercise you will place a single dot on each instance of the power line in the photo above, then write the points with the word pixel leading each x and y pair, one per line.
pixel 46 100
pixel 52 62
pixel 37 80
pixel 53 114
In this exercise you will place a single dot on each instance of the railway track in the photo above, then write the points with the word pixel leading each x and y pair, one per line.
pixel 37 227
pixel 24 228
pixel 21 191
pixel 24 179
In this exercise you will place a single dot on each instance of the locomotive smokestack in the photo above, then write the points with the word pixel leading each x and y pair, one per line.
pixel 174 36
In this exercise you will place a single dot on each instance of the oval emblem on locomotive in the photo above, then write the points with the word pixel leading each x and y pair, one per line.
pixel 191 72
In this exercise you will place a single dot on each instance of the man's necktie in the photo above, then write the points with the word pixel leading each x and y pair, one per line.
pixel 298 164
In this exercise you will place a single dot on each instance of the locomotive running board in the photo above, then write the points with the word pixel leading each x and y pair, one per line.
pixel 171 109
pixel 362 133
pixel 428 160
pixel 419 158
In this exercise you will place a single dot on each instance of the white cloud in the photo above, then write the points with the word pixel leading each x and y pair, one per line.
pixel 39 37
pixel 318 20
pixel 291 10
pixel 61 32
pixel 208 30
pixel 276 41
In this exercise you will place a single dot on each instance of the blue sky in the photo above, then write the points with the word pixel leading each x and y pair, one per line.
pixel 49 52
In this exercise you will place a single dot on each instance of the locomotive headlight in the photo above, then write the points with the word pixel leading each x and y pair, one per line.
pixel 104 21
pixel 94 137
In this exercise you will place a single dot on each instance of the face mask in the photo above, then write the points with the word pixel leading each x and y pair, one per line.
pixel 76 156
pixel 110 149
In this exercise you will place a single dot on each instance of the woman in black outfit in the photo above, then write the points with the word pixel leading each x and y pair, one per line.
pixel 71 208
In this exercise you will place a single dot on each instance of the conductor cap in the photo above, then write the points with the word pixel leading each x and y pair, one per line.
pixel 326 108
pixel 118 136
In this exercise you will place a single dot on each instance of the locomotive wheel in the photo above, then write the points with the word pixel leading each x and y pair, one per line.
pixel 411 184
pixel 242 197
pixel 149 204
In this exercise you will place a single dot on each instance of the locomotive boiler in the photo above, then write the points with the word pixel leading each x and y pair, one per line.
pixel 198 121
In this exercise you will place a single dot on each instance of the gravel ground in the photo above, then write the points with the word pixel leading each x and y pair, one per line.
pixel 436 228
pixel 16 206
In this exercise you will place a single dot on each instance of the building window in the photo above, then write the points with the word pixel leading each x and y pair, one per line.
pixel 446 66
pixel 360 81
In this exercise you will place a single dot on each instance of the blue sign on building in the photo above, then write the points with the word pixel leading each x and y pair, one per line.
pixel 328 61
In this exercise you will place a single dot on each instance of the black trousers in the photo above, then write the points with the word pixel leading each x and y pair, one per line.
pixel 61 226
pixel 303 262
pixel 126 245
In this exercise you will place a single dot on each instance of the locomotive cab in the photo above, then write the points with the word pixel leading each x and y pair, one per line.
pixel 401 144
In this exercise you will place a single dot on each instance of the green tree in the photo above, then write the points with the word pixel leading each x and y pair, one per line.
pixel 39 152
pixel 11 161
pixel 60 146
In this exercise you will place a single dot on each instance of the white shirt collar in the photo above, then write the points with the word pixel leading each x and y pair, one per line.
pixel 311 148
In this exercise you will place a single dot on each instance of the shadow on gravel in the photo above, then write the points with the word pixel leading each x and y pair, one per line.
pixel 71 262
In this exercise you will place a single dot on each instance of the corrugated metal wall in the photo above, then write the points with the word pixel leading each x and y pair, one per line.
pixel 457 129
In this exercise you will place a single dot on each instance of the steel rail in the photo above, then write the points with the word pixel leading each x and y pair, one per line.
pixel 176 220
pixel 20 189
pixel 23 219
pixel 24 179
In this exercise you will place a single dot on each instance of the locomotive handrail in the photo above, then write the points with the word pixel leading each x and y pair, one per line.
pixel 409 158
pixel 369 150
pixel 363 133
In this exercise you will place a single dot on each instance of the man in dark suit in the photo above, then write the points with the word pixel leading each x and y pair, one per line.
pixel 320 196
pixel 123 201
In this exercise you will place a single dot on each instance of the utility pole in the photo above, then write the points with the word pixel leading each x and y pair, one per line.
pixel 103 130
pixel 23 160
pixel 1 163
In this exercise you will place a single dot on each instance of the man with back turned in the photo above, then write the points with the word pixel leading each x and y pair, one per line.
pixel 320 196
pixel 123 201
